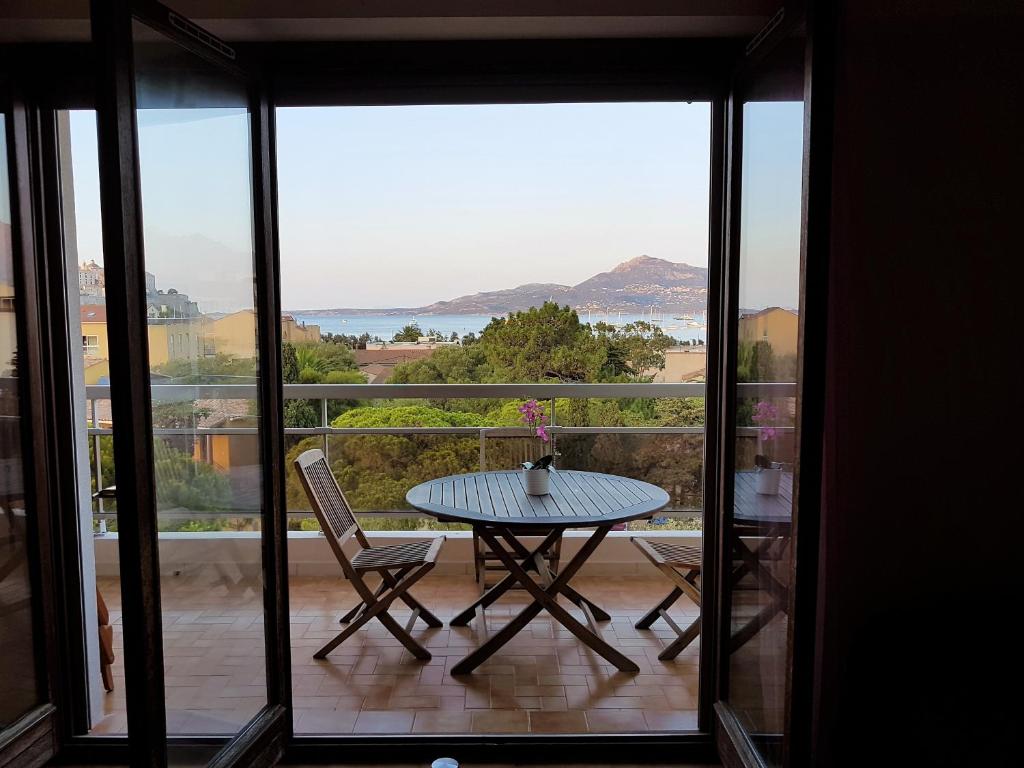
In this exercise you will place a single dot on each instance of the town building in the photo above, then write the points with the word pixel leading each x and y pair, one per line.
pixel 235 334
pixel 774 325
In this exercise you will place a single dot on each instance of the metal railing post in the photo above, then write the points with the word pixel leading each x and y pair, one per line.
pixel 98 467
pixel 324 424
pixel 483 449
pixel 553 423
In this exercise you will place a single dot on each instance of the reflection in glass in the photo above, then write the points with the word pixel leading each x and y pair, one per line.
pixel 769 284
pixel 18 689
pixel 195 164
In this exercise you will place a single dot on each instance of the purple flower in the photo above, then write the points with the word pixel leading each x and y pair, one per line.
pixel 535 418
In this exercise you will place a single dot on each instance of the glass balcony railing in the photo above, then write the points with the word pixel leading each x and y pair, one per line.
pixel 383 439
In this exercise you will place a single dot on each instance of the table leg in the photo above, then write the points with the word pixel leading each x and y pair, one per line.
pixel 491 595
pixel 543 599
pixel 596 611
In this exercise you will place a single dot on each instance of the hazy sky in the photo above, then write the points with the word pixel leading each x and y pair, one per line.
pixel 403 206
pixel 386 206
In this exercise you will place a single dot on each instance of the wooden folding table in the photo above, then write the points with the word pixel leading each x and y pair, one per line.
pixel 499 509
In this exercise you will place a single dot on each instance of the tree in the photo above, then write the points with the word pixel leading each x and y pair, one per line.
pixel 754 361
pixel 633 349
pixel 546 342
pixel 410 332
pixel 180 415
pixel 308 357
pixel 218 369
pixel 289 364
pixel 337 356
pixel 301 413
pixel 448 365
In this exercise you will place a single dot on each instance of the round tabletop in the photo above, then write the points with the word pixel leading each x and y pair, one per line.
pixel 751 508
pixel 577 499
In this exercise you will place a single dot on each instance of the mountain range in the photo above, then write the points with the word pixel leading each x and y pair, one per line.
pixel 632 287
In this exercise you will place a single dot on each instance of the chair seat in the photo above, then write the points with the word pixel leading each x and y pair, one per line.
pixel 674 555
pixel 395 556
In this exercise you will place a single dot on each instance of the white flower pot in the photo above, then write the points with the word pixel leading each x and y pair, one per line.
pixel 536 481
pixel 768 481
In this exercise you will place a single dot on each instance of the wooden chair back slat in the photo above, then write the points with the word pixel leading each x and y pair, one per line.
pixel 330 506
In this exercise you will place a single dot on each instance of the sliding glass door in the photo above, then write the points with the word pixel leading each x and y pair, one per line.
pixel 194 394
pixel 19 650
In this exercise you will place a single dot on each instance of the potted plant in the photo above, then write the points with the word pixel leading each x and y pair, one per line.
pixel 536 473
pixel 766 417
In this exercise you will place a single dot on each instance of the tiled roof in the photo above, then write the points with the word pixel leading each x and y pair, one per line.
pixel 93 313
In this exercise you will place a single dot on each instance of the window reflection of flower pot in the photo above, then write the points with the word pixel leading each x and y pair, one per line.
pixel 768 479
pixel 537 481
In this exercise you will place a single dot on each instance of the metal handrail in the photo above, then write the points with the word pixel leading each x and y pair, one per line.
pixel 541 391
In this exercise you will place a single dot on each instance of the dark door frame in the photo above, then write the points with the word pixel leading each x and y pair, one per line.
pixel 262 740
pixel 409 73
pixel 815 24
pixel 34 737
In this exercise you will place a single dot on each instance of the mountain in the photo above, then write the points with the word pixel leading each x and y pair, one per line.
pixel 632 287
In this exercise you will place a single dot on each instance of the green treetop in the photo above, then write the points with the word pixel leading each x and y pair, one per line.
pixel 547 342
pixel 411 332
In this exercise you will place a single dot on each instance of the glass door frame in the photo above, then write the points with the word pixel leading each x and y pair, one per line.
pixel 34 736
pixel 815 25
pixel 264 737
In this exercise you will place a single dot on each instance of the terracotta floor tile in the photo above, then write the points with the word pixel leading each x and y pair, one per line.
pixel 616 721
pixel 674 720
pixel 376 721
pixel 325 721
pixel 500 721
pixel 441 721
pixel 215 669
pixel 558 722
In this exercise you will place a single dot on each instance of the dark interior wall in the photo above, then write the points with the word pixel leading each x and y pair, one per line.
pixel 922 542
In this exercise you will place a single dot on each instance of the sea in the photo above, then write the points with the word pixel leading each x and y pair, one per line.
pixel 386 326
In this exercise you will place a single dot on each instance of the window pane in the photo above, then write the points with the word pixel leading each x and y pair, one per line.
pixel 18 684
pixel 195 165
pixel 769 286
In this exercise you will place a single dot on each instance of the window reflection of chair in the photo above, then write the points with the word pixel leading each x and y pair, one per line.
pixel 506 448
pixel 761 565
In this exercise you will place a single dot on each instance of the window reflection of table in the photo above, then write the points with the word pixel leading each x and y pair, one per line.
pixel 761 529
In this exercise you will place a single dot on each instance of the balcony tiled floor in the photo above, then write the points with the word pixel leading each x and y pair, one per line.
pixel 543 681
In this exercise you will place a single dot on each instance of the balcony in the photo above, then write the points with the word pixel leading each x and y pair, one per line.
pixel 543 681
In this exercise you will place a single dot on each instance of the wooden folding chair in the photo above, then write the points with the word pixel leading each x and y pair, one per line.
pixel 681 563
pixel 399 566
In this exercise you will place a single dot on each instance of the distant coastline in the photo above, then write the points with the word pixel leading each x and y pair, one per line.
pixel 386 325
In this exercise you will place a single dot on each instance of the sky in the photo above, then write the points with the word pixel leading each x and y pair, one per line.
pixel 404 206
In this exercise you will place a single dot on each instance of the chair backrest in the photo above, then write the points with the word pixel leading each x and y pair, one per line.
pixel 329 504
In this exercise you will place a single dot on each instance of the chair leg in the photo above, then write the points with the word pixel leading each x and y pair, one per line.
pixel 428 618
pixel 377 608
pixel 676 647
pixel 362 603
pixel 351 614
pixel 655 613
